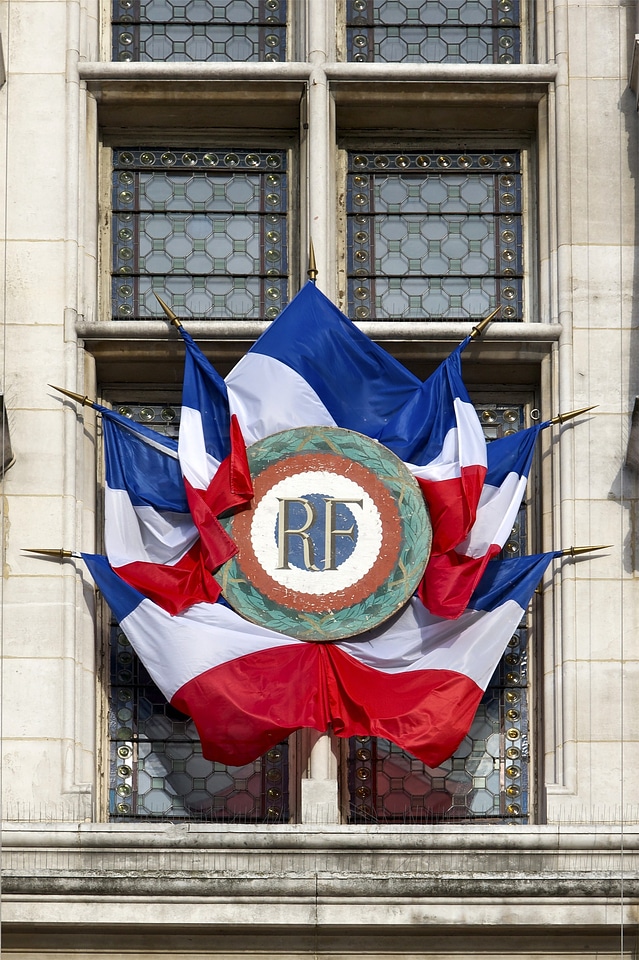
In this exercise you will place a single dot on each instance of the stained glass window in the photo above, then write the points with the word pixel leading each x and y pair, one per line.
pixel 488 777
pixel 434 31
pixel 201 30
pixel 205 228
pixel 434 235
pixel 156 765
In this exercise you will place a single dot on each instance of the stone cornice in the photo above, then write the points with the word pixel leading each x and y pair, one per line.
pixel 337 867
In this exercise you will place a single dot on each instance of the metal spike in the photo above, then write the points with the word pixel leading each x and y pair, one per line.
pixel 477 331
pixel 170 314
pixel 85 401
pixel 312 264
pixel 577 551
pixel 562 417
pixel 47 552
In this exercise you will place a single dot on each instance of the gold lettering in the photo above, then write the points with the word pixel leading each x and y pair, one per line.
pixel 330 533
pixel 285 532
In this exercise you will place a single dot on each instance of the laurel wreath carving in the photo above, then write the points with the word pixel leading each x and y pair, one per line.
pixel 416 537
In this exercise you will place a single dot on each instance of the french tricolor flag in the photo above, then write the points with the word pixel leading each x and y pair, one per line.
pixel 314 367
pixel 452 576
pixel 211 453
pixel 417 680
pixel 150 537
pixel 449 460
pixel 246 687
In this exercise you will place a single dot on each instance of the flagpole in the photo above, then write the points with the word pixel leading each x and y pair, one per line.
pixel 312 264
pixel 572 552
pixel 578 551
pixel 562 417
pixel 85 401
pixel 56 554
pixel 477 331
pixel 173 317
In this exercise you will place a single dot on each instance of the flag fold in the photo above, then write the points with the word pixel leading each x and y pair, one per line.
pixel 149 534
pixel 417 680
pixel 452 575
pixel 314 367
pixel 212 454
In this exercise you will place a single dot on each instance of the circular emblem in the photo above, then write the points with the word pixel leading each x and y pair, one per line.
pixel 335 540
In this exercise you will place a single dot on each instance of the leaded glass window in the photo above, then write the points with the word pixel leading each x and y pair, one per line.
pixel 434 235
pixel 205 228
pixel 488 777
pixel 156 765
pixel 200 30
pixel 434 31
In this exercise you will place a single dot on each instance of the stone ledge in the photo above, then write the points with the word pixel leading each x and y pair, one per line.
pixel 317 888
pixel 417 917
pixel 342 865
pixel 370 838
pixel 249 330
pixel 151 352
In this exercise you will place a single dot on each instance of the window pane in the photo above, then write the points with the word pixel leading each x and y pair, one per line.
pixel 156 762
pixel 208 229
pixel 434 31
pixel 199 30
pixel 488 777
pixel 434 235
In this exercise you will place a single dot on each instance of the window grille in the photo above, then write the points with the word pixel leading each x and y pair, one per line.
pixel 208 229
pixel 239 30
pixel 434 31
pixel 434 235
pixel 156 765
pixel 488 777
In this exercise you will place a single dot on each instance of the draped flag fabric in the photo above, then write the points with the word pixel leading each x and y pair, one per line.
pixel 212 454
pixel 314 367
pixel 417 681
pixel 451 468
pixel 150 537
pixel 419 677
pixel 451 576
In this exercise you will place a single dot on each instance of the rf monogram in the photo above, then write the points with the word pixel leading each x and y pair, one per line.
pixel 304 531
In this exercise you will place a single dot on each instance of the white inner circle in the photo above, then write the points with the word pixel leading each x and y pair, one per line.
pixel 325 484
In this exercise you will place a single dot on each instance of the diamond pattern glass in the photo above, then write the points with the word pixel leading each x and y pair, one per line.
pixel 488 777
pixel 208 229
pixel 201 30
pixel 434 236
pixel 433 31
pixel 156 765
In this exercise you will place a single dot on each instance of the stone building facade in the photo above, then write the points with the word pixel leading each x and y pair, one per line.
pixel 290 112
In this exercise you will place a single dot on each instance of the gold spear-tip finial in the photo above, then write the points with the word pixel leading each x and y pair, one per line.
pixel 60 554
pixel 312 263
pixel 562 417
pixel 477 331
pixel 577 551
pixel 85 401
pixel 170 314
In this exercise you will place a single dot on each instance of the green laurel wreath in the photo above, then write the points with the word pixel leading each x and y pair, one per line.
pixel 416 538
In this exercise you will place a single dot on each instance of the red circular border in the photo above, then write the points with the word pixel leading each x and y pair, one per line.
pixel 327 602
